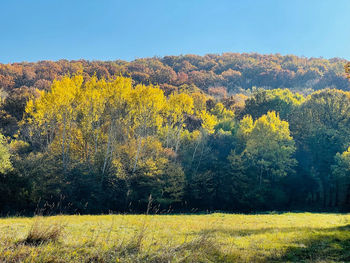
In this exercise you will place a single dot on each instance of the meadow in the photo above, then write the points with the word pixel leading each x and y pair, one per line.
pixel 287 237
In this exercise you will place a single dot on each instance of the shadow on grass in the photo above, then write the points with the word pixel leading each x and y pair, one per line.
pixel 327 245
pixel 201 249
pixel 248 232
pixel 317 245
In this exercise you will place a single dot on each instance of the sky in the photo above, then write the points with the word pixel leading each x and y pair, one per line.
pixel 33 30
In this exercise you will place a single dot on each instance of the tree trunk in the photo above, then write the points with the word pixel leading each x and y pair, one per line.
pixel 137 154
pixel 109 142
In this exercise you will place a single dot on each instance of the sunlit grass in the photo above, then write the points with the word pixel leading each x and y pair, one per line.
pixel 294 237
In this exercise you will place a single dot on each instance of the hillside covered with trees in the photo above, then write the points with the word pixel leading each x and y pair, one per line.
pixel 232 132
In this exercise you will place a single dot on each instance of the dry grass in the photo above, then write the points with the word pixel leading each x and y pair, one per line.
pixel 41 232
pixel 289 237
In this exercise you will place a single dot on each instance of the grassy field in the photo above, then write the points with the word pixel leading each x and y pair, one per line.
pixel 288 237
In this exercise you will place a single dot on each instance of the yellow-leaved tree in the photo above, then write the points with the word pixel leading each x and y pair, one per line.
pixel 80 120
pixel 269 146
pixel 179 107
pixel 146 104
pixel 55 113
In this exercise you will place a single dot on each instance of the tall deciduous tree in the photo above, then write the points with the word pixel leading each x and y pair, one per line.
pixel 5 163
pixel 269 147
pixel 283 101
pixel 179 107
pixel 321 128
pixel 341 173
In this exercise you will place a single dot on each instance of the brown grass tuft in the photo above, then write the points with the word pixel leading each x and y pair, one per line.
pixel 40 233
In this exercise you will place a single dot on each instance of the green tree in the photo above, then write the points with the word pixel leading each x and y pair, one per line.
pixel 321 128
pixel 269 147
pixel 5 162
pixel 283 101
pixel 341 173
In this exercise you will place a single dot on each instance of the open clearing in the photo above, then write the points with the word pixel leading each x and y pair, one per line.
pixel 288 237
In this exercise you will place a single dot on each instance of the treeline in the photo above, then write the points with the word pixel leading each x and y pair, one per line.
pixel 93 145
pixel 217 75
pixel 89 139
pixel 231 71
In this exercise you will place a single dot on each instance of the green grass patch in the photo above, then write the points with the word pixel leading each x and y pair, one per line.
pixel 288 237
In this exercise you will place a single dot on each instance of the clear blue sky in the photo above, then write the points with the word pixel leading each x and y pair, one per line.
pixel 33 30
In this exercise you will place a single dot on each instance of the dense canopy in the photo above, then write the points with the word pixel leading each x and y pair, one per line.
pixel 234 132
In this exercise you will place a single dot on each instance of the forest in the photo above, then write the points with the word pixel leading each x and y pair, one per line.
pixel 231 132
